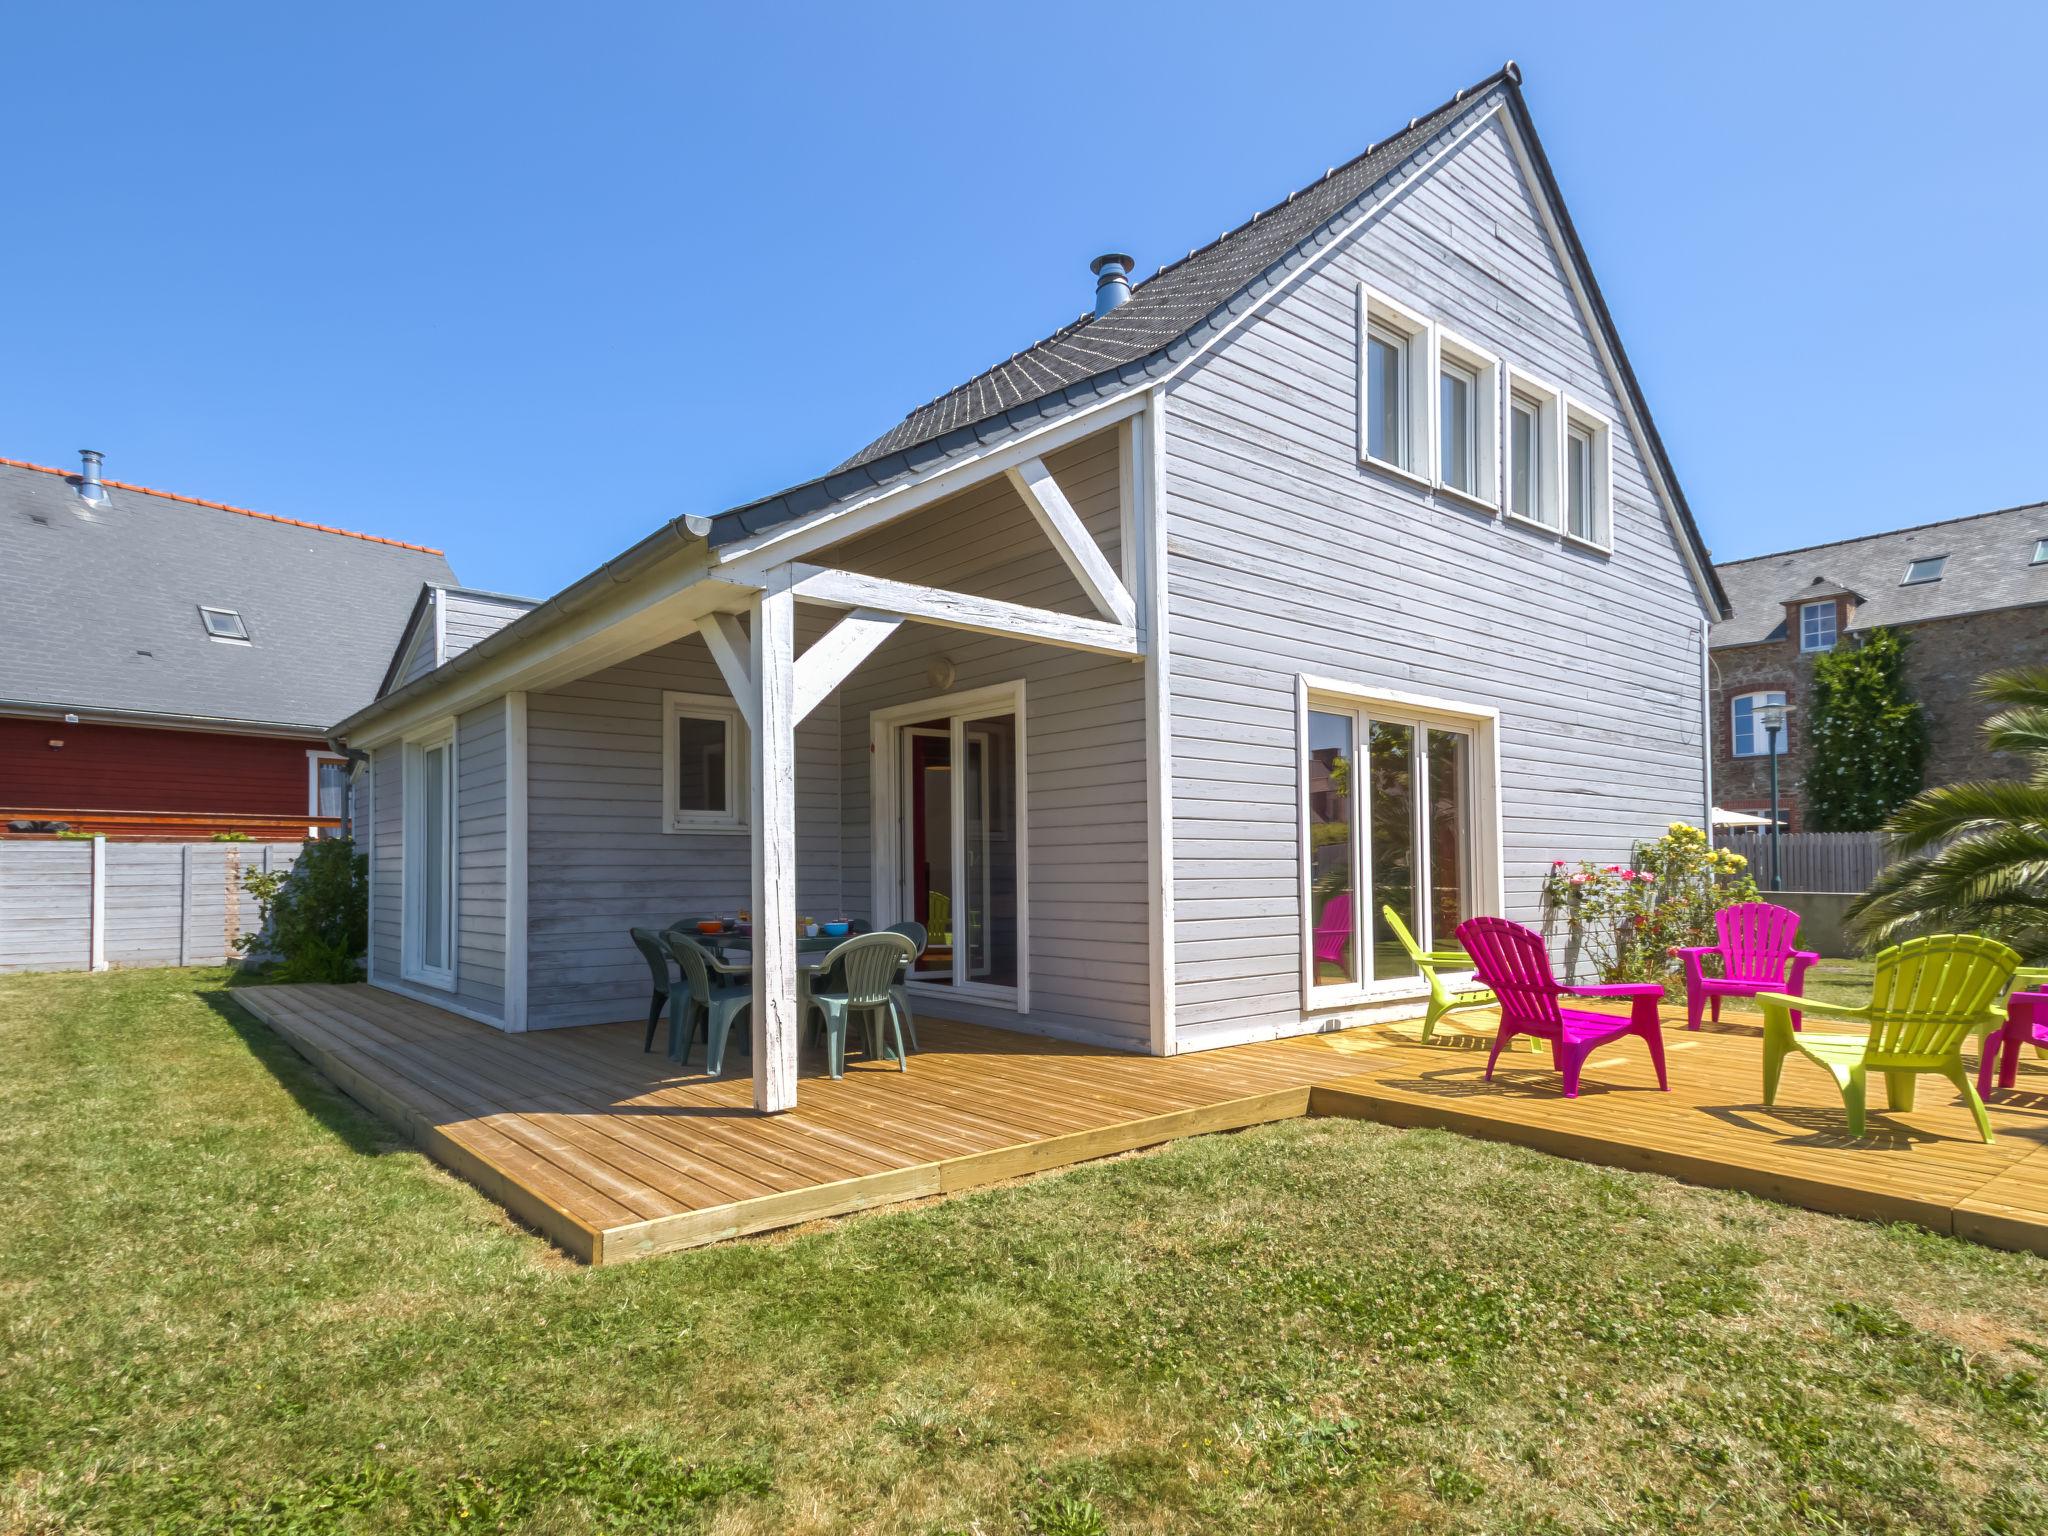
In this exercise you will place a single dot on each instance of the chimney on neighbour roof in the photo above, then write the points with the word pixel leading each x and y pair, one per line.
pixel 90 491
pixel 1112 281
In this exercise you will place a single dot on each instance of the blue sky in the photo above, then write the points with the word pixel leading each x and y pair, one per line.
pixel 523 281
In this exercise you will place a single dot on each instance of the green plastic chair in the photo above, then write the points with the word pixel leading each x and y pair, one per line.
pixel 648 942
pixel 938 909
pixel 1441 999
pixel 713 992
pixel 900 992
pixel 859 978
pixel 1927 997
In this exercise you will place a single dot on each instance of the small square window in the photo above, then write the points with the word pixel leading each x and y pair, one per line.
pixel 1817 626
pixel 2040 552
pixel 703 765
pixel 1928 569
pixel 223 624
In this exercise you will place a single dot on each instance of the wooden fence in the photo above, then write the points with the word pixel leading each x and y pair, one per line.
pixel 79 905
pixel 1812 861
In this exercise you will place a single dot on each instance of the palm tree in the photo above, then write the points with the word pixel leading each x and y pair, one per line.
pixel 1975 856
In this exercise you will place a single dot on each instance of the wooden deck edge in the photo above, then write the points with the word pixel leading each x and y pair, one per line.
pixel 980 1168
pixel 741 1218
pixel 1588 1145
pixel 557 1225
pixel 2023 1229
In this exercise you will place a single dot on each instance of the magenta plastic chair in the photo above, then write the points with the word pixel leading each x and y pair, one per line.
pixel 1333 929
pixel 2026 1023
pixel 1515 963
pixel 1758 954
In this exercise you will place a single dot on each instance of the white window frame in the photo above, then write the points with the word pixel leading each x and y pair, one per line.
pixel 1759 738
pixel 412 963
pixel 737 816
pixel 885 801
pixel 243 638
pixel 1416 337
pixel 1600 492
pixel 1939 562
pixel 1548 479
pixel 1484 369
pixel 314 758
pixel 1833 611
pixel 1363 701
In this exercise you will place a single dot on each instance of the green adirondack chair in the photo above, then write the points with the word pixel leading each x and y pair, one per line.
pixel 1927 997
pixel 1441 999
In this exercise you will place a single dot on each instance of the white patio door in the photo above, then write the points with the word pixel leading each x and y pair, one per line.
pixel 955 845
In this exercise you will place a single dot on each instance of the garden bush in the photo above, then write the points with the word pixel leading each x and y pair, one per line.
pixel 316 915
pixel 1624 919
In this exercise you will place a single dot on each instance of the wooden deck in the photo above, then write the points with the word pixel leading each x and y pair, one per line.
pixel 616 1155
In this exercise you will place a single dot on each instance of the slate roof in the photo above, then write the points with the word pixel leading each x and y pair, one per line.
pixel 1989 567
pixel 1167 315
pixel 99 609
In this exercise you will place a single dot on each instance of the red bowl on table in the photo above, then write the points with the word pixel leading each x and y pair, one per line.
pixel 711 925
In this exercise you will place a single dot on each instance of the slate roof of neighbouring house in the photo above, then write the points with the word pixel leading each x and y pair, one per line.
pixel 1167 315
pixel 99 608
pixel 1990 565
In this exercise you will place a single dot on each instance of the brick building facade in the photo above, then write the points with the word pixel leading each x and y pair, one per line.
pixel 1970 595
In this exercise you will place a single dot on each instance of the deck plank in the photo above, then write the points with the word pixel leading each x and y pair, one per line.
pixel 615 1153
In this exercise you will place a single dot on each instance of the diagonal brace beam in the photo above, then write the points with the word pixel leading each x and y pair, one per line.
pixel 842 648
pixel 732 650
pixel 1070 536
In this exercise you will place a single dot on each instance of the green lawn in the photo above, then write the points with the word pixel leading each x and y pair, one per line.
pixel 230 1302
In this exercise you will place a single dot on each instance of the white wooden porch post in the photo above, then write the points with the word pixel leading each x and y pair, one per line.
pixel 773 652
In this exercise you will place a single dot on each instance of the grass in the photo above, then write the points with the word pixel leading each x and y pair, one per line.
pixel 230 1302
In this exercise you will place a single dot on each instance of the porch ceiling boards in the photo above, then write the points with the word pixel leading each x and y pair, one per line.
pixel 616 1155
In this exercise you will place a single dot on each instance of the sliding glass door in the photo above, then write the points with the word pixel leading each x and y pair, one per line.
pixel 1390 827
pixel 959 857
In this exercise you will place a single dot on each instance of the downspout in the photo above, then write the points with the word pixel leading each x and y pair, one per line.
pixel 1707 725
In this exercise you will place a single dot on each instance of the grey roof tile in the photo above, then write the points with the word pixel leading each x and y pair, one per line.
pixel 1989 567
pixel 99 610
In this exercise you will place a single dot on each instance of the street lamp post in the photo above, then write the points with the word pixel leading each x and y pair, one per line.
pixel 1773 716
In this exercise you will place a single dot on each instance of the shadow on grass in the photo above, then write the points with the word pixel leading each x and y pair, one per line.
pixel 350 1123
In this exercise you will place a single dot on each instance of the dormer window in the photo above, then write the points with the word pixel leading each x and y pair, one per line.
pixel 224 624
pixel 1920 571
pixel 1817 626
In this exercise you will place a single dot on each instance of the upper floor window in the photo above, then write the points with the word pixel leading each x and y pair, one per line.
pixel 1533 411
pixel 1928 569
pixel 1468 420
pixel 1587 475
pixel 2040 552
pixel 1395 394
pixel 1817 626
pixel 1751 738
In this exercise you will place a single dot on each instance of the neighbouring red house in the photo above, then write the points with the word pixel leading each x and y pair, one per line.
pixel 169 666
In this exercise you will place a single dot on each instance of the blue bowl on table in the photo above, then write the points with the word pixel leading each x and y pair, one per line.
pixel 835 930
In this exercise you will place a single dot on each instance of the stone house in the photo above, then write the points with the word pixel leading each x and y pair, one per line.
pixel 1970 593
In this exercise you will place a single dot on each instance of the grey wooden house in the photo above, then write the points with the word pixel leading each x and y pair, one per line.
pixel 1336 566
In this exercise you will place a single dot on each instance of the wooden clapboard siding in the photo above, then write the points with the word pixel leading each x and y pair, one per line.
pixel 616 1154
pixel 106 770
pixel 468 617
pixel 598 860
pixel 387 860
pixel 1083 738
pixel 480 859
pixel 1286 556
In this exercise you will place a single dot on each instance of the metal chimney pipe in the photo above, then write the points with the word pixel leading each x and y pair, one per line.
pixel 1112 281
pixel 90 490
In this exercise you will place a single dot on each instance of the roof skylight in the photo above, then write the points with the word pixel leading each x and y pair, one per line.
pixel 1928 569
pixel 2040 552
pixel 223 624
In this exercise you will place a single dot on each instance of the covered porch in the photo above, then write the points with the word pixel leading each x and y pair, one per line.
pixel 616 1154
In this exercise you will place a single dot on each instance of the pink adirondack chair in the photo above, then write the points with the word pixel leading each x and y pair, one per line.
pixel 1333 929
pixel 1515 963
pixel 1758 954
pixel 2026 1023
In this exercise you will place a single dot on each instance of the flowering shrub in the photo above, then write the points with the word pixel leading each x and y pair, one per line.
pixel 1623 919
